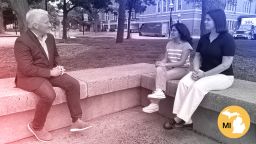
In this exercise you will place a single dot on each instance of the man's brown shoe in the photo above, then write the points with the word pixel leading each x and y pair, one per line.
pixel 79 125
pixel 42 135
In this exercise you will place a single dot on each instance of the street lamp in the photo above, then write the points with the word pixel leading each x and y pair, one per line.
pixel 171 6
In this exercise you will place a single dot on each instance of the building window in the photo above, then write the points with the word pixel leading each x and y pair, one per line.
pixel 226 8
pixel 234 7
pixel 168 5
pixel 234 25
pixel 255 8
pixel 133 15
pixel 115 16
pixel 106 16
pixel 244 7
pixel 247 7
pixel 230 6
pixel 179 5
pixel 164 6
pixel 228 24
pixel 159 5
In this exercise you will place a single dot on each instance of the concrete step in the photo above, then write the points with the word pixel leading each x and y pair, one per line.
pixel 103 91
pixel 130 126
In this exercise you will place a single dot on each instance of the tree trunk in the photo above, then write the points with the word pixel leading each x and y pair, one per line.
pixel 64 22
pixel 121 21
pixel 208 5
pixel 96 20
pixel 131 5
pixel 1 19
pixel 21 8
pixel 129 23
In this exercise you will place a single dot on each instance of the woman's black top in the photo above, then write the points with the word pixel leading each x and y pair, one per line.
pixel 212 52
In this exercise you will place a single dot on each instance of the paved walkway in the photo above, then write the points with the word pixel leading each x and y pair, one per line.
pixel 127 127
pixel 9 34
pixel 113 34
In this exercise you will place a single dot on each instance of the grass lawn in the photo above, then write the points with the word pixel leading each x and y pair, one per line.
pixel 85 53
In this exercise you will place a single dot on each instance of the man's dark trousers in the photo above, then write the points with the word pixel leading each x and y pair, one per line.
pixel 47 95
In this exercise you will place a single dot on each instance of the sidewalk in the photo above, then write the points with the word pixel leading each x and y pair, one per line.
pixel 9 34
pixel 113 35
pixel 131 126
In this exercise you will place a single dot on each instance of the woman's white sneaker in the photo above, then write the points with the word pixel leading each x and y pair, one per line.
pixel 151 108
pixel 157 94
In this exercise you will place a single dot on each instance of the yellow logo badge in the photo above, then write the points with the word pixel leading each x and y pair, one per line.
pixel 233 122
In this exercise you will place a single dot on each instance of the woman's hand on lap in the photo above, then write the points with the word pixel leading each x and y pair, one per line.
pixel 196 75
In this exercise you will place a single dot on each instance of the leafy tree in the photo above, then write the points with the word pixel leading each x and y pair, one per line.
pixel 20 7
pixel 3 6
pixel 138 6
pixel 53 16
pixel 41 4
pixel 93 13
pixel 89 5
pixel 9 17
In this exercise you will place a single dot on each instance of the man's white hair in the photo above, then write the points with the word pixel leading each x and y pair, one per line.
pixel 33 16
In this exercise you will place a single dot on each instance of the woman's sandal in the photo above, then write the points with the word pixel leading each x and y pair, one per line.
pixel 182 124
pixel 169 124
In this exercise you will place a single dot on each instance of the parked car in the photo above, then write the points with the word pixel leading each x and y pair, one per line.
pixel 244 32
pixel 245 27
pixel 134 28
pixel 152 29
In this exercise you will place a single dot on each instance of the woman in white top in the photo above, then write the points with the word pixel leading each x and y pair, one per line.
pixel 173 66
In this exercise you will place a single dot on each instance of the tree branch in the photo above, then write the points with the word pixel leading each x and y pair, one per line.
pixel 71 8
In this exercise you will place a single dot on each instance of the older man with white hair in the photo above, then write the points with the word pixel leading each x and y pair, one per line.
pixel 38 70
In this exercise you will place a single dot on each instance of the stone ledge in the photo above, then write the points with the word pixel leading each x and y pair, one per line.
pixel 110 79
pixel 241 93
pixel 92 82
pixel 15 100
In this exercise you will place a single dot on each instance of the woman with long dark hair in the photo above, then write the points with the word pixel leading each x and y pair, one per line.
pixel 174 65
pixel 212 70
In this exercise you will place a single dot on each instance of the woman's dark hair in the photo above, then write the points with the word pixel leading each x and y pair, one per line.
pixel 183 32
pixel 219 18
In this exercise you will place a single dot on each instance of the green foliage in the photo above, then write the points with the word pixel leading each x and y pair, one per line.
pixel 139 5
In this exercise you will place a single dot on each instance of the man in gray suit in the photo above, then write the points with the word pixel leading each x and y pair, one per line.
pixel 38 71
